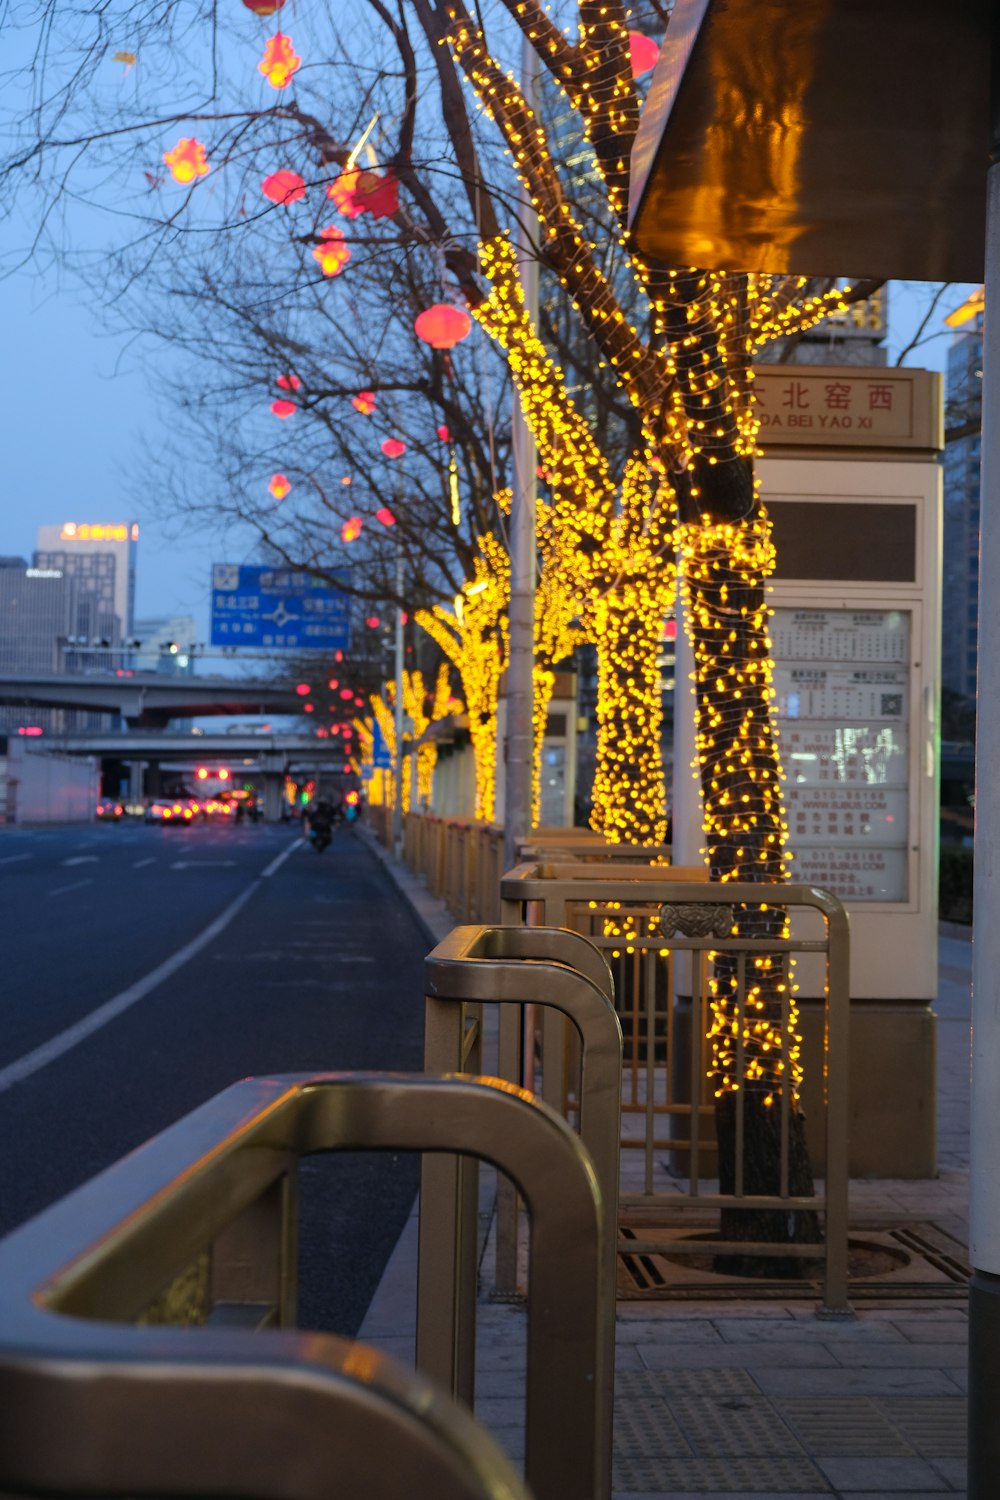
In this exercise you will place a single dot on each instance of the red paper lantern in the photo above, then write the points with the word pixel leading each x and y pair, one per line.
pixel 360 191
pixel 263 7
pixel 279 486
pixel 443 325
pixel 373 622
pixel 280 61
pixel 444 434
pixel 283 409
pixel 187 161
pixel 364 402
pixel 333 254
pixel 386 516
pixel 283 187
pixel 288 382
pixel 643 53
pixel 393 448
pixel 346 479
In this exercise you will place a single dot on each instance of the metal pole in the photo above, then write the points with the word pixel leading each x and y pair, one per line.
pixel 397 811
pixel 984 1175
pixel 520 668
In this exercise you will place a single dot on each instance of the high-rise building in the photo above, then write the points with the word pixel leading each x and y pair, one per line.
pixel 960 591
pixel 36 610
pixel 100 559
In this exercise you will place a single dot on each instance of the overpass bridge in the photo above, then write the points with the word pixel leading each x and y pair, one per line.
pixel 269 758
pixel 148 699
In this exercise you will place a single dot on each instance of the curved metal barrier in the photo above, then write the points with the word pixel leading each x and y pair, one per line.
pixel 105 1408
pixel 565 975
pixel 661 926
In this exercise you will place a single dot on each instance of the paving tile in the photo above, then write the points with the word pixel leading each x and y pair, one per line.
pixel 670 1383
pixel 824 1332
pixel 740 1425
pixel 682 1331
pixel 953 1329
pixel 905 1356
pixel 886 1476
pixel 845 1382
pixel 751 1356
pixel 729 1476
pixel 936 1426
pixel 844 1426
pixel 647 1429
pixel 953 1470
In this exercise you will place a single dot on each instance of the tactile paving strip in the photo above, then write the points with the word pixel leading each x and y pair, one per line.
pixel 843 1426
pixel 646 1429
pixel 747 1476
pixel 733 1425
pixel 642 1384
pixel 935 1425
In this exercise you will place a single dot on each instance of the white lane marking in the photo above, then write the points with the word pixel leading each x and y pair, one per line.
pixel 65 1041
pixel 140 862
pixel 82 859
pixel 203 864
pixel 10 859
pixel 280 860
pixel 77 885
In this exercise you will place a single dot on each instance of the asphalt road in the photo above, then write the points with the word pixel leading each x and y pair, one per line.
pixel 301 963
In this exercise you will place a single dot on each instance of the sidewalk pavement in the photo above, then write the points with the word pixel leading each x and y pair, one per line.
pixel 715 1401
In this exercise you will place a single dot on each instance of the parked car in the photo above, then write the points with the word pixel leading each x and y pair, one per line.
pixel 109 811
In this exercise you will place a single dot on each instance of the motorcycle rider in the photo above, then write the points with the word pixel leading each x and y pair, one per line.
pixel 320 817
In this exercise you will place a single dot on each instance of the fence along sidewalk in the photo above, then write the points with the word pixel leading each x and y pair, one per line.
pixel 215 1410
pixel 673 922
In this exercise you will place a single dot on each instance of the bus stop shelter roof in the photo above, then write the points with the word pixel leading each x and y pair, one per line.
pixel 818 138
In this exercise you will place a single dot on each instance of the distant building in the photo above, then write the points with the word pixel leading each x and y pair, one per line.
pixel 166 644
pixel 36 607
pixel 853 337
pixel 100 559
pixel 960 592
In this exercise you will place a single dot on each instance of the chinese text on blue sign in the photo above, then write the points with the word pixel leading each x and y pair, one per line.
pixel 278 608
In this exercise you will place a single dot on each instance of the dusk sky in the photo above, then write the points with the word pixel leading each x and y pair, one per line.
pixel 81 433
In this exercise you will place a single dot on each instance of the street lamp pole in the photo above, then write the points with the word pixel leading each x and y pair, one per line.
pixel 984 1174
pixel 520 667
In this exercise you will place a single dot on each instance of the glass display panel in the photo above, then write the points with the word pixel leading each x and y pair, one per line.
pixel 842 687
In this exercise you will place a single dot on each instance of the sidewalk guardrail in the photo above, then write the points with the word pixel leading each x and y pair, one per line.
pixel 99 1407
pixel 460 859
pixel 663 967
pixel 566 977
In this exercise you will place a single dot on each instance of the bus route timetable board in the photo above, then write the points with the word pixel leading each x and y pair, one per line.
pixel 842 687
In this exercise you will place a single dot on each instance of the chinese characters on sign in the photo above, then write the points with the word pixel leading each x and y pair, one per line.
pixel 842 685
pixel 824 406
pixel 278 608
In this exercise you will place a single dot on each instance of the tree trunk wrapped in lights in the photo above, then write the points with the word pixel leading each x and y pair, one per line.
pixel 474 636
pixel 626 628
pixel 424 709
pixel 609 549
pixel 689 379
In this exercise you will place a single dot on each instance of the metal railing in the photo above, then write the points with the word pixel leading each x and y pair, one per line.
pixel 99 1407
pixel 461 861
pixel 660 930
pixel 562 975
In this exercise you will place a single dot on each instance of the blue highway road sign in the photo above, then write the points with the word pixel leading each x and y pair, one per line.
pixel 381 754
pixel 278 608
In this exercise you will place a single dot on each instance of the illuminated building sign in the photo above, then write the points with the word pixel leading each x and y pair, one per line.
pixel 118 532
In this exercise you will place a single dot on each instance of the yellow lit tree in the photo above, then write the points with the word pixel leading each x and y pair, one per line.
pixel 474 637
pixel 688 378
pixel 608 551
pixel 424 709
